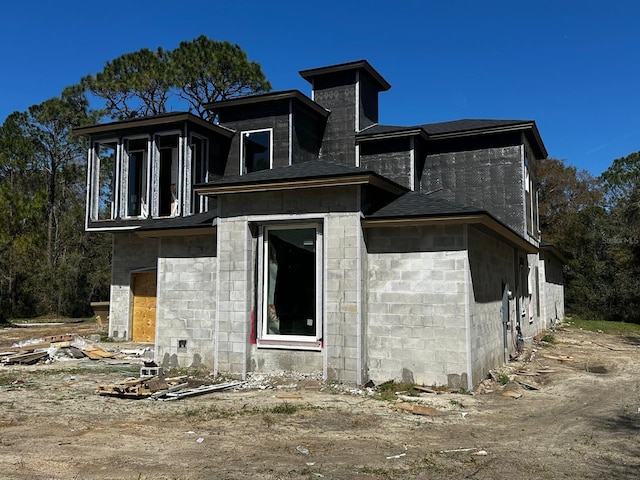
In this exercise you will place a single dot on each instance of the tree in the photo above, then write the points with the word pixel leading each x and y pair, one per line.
pixel 133 85
pixel 207 71
pixel 572 217
pixel 22 204
pixel 621 184
pixel 147 82
pixel 58 152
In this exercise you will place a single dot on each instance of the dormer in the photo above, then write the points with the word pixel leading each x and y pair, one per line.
pixel 272 130
pixel 144 169
pixel 350 92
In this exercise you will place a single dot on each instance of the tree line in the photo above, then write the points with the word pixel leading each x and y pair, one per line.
pixel 595 222
pixel 50 265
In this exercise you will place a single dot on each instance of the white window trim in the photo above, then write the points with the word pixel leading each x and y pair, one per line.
pixel 201 202
pixel 290 342
pixel 155 174
pixel 93 192
pixel 125 176
pixel 248 132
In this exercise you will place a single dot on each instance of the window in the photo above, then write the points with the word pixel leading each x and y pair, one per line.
pixel 136 201
pixel 168 175
pixel 256 151
pixel 200 171
pixel 291 297
pixel 103 206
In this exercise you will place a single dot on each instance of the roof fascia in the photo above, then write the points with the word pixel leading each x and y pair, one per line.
pixel 150 122
pixel 526 126
pixel 554 251
pixel 269 97
pixel 176 232
pixel 359 64
pixel 415 132
pixel 277 185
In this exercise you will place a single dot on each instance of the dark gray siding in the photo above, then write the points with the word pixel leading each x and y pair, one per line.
pixel 275 116
pixel 486 177
pixel 389 158
pixel 368 102
pixel 337 93
pixel 307 135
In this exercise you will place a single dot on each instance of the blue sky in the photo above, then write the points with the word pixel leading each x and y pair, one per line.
pixel 573 66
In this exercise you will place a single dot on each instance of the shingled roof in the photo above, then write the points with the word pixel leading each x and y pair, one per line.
pixel 414 204
pixel 304 174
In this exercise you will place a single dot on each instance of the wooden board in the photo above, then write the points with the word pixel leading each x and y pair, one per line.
pixel 143 328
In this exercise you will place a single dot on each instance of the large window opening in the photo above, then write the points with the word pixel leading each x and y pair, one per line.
pixel 256 151
pixel 137 178
pixel 168 175
pixel 291 297
pixel 200 171
pixel 104 206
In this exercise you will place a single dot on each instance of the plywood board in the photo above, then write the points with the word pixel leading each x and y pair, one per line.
pixel 144 307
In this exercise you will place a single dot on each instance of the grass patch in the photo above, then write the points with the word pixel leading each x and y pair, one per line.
pixel 504 379
pixel 612 328
pixel 284 409
pixel 387 390
pixel 548 338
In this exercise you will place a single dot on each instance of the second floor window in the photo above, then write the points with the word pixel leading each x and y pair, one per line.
pixel 137 178
pixel 256 151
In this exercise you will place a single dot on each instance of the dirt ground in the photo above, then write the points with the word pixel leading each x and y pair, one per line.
pixel 583 421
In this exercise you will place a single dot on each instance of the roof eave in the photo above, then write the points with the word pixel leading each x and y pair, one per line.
pixel 177 232
pixel 525 126
pixel 295 184
pixel 121 125
pixel 268 97
pixel 416 132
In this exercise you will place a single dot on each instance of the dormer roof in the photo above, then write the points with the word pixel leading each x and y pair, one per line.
pixel 279 96
pixel 312 73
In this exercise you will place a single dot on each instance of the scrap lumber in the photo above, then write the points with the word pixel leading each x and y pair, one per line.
pixel 560 358
pixel 25 358
pixel 424 389
pixel 417 409
pixel 96 353
pixel 192 392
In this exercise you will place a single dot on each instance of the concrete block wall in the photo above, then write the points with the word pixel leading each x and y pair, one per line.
pixel 238 230
pixel 491 264
pixel 532 322
pixel 551 288
pixel 129 253
pixel 343 337
pixel 234 292
pixel 416 328
pixel 186 301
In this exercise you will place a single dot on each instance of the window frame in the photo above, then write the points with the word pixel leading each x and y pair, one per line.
pixel 155 177
pixel 271 340
pixel 197 203
pixel 244 134
pixel 94 187
pixel 126 151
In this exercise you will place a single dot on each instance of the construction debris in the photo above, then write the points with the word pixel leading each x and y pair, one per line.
pixel 159 388
pixel 52 348
pixel 417 409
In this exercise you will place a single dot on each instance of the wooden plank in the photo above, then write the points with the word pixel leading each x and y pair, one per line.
pixel 144 287
pixel 424 389
pixel 26 358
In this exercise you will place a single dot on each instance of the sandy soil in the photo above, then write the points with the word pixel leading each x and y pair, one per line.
pixel 583 421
